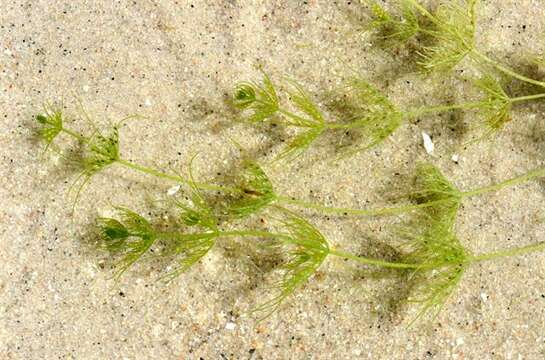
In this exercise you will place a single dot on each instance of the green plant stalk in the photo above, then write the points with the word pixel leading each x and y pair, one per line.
pixel 152 171
pixel 409 114
pixel 358 212
pixel 328 209
pixel 476 55
pixel 176 178
pixel 540 172
pixel 536 173
pixel 373 261
pixel 465 106
pixel 75 135
pixel 300 122
pixel 509 252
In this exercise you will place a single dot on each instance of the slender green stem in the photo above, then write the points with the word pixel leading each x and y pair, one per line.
pixel 233 233
pixel 75 135
pixel 469 105
pixel 399 265
pixel 442 108
pixel 480 56
pixel 527 98
pixel 365 260
pixel 510 252
pixel 176 178
pixel 540 172
pixel 299 121
pixel 360 212
pixel 255 233
pixel 288 238
pixel 413 113
pixel 155 172
pixel 339 126
pixel 376 262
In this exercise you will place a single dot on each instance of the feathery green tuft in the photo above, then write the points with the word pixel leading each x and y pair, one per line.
pixel 113 233
pixel 299 144
pixel 130 237
pixel 454 34
pixel 188 249
pixel 313 122
pixel 256 191
pixel 307 249
pixel 497 106
pixel 101 151
pixel 391 27
pixel 198 212
pixel 377 116
pixel 259 102
pixel 302 102
pixel 444 261
pixel 244 95
pixel 433 187
pixel 51 123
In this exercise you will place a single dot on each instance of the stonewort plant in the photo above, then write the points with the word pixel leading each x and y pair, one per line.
pixel 433 255
pixel 208 213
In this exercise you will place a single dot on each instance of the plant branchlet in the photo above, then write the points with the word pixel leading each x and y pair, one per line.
pixel 451 29
pixel 376 117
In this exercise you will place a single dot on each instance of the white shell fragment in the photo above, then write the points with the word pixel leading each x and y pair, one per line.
pixel 173 190
pixel 428 144
pixel 455 158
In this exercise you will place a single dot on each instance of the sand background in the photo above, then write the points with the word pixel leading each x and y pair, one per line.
pixel 176 62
